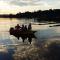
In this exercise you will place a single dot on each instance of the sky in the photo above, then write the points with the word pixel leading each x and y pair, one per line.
pixel 15 6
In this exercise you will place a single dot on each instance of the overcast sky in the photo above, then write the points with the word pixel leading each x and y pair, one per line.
pixel 14 6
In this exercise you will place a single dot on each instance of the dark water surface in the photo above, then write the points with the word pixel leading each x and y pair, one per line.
pixel 7 56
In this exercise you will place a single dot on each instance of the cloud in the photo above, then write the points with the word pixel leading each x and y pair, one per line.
pixel 21 2
pixel 32 2
pixel 5 7
pixel 29 5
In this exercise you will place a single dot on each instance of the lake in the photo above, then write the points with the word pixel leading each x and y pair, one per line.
pixel 7 41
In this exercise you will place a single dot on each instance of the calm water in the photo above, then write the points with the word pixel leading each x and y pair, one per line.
pixel 44 32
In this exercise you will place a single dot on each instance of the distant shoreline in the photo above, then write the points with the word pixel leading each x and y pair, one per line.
pixel 46 15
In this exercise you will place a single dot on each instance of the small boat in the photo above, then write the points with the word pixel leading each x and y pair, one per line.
pixel 23 34
pixel 18 33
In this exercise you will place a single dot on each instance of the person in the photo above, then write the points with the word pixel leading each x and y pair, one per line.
pixel 22 28
pixel 29 26
pixel 17 27
pixel 25 28
pixel 11 31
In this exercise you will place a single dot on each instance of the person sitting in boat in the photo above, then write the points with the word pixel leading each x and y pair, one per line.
pixel 25 28
pixel 29 26
pixel 17 27
pixel 11 30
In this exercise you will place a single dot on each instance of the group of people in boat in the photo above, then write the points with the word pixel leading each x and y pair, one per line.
pixel 16 31
pixel 23 27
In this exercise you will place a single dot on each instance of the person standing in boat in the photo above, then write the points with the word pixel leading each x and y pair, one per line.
pixel 29 26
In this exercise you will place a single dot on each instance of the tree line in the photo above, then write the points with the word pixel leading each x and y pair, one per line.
pixel 48 15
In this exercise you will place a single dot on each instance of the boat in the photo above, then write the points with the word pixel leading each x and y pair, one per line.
pixel 24 34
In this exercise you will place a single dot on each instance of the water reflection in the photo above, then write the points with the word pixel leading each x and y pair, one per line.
pixel 50 34
pixel 44 32
pixel 5 38
pixel 6 23
pixel 7 56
